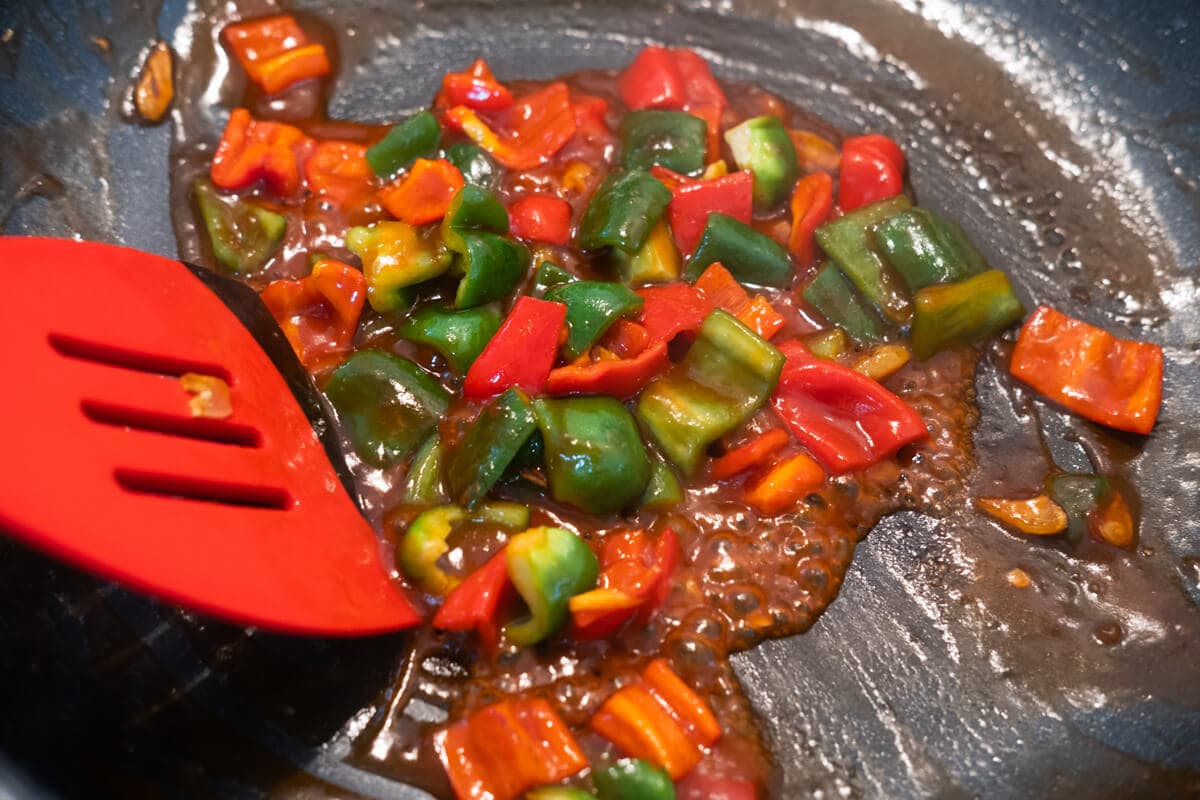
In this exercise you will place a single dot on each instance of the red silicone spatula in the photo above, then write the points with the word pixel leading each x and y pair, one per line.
pixel 103 465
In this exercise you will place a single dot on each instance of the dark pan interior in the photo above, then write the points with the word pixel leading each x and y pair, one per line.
pixel 1066 138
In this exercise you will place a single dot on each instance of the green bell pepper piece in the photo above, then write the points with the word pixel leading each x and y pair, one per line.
pixel 595 458
pixel 623 210
pixel 676 140
pixel 847 240
pixel 1079 496
pixel 592 308
pixel 827 345
pixel 832 295
pixel 559 793
pixel 750 256
pixel 964 312
pixel 479 459
pixel 387 404
pixel 476 166
pixel 550 275
pixel 424 543
pixel 726 376
pixel 762 146
pixel 417 136
pixel 513 516
pixel 664 490
pixel 633 779
pixel 532 455
pixel 395 256
pixel 423 481
pixel 492 266
pixel 457 336
pixel 926 249
pixel 243 234
pixel 657 261
pixel 475 209
pixel 547 566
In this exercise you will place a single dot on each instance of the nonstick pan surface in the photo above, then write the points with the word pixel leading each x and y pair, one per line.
pixel 1065 136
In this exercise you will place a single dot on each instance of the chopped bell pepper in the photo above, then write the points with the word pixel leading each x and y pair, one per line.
pixel 251 149
pixel 1112 522
pixel 475 88
pixel 395 256
pixel 547 566
pixel 847 241
pixel 659 719
pixel 318 314
pixel 595 458
pixel 672 310
pixel 882 361
pixel 244 235
pixel 457 336
pixel 756 313
pixel 424 542
pixel 664 490
pixel 424 193
pixel 675 79
pixel 616 377
pixel 592 308
pixel 622 211
pixel 530 132
pixel 416 137
pixel 726 376
pixel 812 205
pixel 338 172
pixel 541 218
pixel 751 257
pixel 926 249
pixel 505 749
pixel 672 139
pixel 964 312
pixel 1116 382
pixel 1039 515
pixel 635 578
pixel 522 351
pixel 275 52
pixel 473 465
pixel 387 404
pixel 475 209
pixel 692 201
pixel 763 147
pixel 844 418
pixel 815 152
pixel 423 480
pixel 782 486
pixel 633 779
pixel 872 170
pixel 475 604
pixel 827 345
pixel 549 275
pixel 832 295
pixel 1079 496
pixel 590 123
pixel 748 455
pixel 476 166
pixel 492 266
pixel 656 262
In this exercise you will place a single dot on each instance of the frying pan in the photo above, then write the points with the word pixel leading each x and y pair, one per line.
pixel 1063 135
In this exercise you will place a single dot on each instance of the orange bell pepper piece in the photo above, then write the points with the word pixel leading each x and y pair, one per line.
pixel 721 289
pixel 784 484
pixel 1116 382
pixel 338 171
pixel 275 52
pixel 1039 515
pixel 250 150
pixel 530 132
pixel 475 88
pixel 318 314
pixel 424 193
pixel 750 454
pixel 812 205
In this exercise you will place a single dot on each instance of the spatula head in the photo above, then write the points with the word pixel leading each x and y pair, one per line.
pixel 105 466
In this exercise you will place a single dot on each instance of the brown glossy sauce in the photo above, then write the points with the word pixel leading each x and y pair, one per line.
pixel 741 578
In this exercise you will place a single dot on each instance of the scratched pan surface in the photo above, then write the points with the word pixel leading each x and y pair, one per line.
pixel 1065 136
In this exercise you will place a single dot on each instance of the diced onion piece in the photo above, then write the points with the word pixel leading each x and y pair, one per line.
pixel 210 396
pixel 1039 515
pixel 155 88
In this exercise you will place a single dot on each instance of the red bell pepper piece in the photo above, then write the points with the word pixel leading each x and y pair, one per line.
pixel 812 205
pixel 675 79
pixel 750 454
pixel 872 170
pixel 528 134
pixel 626 338
pixel 1116 382
pixel 424 193
pixel 250 150
pixel 844 418
pixel 505 749
pixel 671 310
pixel 541 218
pixel 522 351
pixel 616 377
pixel 318 314
pixel 590 113
pixel 338 172
pixel 475 88
pixel 475 604
pixel 275 52
pixel 693 200
pixel 721 289
pixel 635 576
